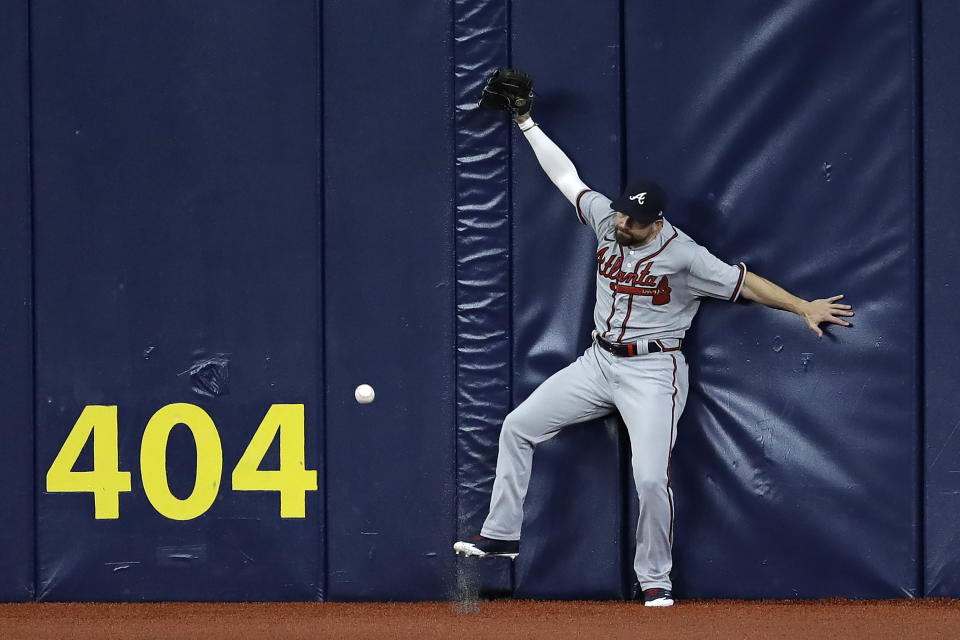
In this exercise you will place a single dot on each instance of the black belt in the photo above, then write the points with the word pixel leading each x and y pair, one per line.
pixel 627 349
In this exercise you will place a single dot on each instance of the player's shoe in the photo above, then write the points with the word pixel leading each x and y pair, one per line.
pixel 657 598
pixel 481 547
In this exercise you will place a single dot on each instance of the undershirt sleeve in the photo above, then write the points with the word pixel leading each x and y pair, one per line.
pixel 554 162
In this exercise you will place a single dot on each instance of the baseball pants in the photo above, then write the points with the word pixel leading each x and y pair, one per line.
pixel 650 392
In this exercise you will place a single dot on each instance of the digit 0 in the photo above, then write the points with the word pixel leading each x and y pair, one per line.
pixel 153 461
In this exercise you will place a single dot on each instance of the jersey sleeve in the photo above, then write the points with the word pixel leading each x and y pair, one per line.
pixel 714 278
pixel 593 209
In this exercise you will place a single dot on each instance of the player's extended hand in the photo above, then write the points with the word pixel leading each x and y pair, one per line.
pixel 826 310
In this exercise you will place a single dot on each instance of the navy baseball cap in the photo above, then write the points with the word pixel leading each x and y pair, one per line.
pixel 643 200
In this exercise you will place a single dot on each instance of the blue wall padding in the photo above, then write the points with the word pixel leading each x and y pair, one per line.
pixel 573 524
pixel 389 265
pixel 16 333
pixel 176 168
pixel 483 267
pixel 786 134
pixel 302 195
pixel 941 296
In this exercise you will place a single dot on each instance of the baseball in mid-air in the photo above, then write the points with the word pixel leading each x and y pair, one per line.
pixel 364 394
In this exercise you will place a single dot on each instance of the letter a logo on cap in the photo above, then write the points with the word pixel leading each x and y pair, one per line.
pixel 639 197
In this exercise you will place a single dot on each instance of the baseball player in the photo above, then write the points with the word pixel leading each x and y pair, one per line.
pixel 651 277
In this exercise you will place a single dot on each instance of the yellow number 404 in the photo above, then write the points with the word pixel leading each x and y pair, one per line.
pixel 106 481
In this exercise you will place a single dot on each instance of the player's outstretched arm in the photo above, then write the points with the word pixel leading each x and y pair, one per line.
pixel 511 90
pixel 552 159
pixel 814 312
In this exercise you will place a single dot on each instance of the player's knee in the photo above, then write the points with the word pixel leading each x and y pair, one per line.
pixel 649 483
pixel 513 429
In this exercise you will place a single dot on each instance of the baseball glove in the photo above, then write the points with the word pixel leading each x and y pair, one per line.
pixel 510 90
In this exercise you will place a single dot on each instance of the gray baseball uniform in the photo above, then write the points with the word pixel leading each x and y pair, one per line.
pixel 645 295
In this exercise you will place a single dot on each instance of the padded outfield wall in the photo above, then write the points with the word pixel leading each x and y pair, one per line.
pixel 219 218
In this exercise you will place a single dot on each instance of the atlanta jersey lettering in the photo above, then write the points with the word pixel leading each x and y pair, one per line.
pixel 651 292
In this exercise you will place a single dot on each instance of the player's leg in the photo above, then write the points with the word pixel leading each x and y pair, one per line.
pixel 651 399
pixel 574 394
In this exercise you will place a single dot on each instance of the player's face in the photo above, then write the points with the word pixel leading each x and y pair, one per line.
pixel 630 232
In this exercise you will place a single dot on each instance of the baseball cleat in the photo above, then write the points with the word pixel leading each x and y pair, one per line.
pixel 657 598
pixel 481 547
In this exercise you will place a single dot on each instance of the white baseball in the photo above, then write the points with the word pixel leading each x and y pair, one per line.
pixel 364 394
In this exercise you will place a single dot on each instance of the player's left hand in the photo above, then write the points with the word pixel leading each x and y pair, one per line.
pixel 510 90
pixel 826 310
